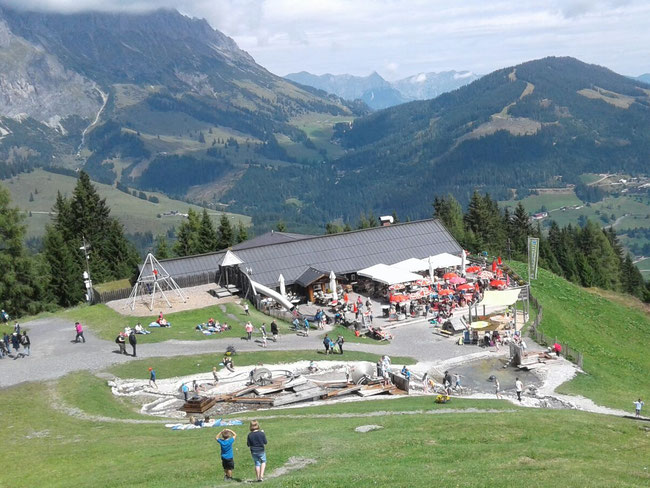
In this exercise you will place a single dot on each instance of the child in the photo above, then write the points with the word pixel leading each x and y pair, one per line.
pixel 226 438
pixel 152 377
pixel 263 331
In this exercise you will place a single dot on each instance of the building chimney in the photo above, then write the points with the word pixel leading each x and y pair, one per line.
pixel 386 220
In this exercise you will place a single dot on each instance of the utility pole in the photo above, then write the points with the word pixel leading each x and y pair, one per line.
pixel 86 275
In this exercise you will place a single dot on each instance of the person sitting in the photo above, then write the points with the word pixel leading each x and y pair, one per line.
pixel 312 367
pixel 140 330
pixel 4 316
pixel 227 362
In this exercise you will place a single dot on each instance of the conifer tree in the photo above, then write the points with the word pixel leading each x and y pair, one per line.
pixel 242 233
pixel 187 237
pixel 21 289
pixel 207 234
pixel 162 251
pixel 225 235
pixel 65 283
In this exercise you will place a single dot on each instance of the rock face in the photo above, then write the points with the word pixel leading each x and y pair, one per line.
pixel 34 83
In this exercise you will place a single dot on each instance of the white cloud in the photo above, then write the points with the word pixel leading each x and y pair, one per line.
pixel 403 37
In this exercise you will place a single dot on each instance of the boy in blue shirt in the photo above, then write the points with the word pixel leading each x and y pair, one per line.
pixel 226 438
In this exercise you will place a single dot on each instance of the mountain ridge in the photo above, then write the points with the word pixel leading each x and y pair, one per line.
pixel 379 93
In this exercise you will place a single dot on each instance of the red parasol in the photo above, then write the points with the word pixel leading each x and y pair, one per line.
pixel 473 269
pixel 448 276
pixel 466 286
pixel 444 293
pixel 497 283
pixel 457 280
pixel 494 266
pixel 499 273
pixel 499 260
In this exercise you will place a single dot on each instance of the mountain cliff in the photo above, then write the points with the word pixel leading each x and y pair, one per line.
pixel 131 96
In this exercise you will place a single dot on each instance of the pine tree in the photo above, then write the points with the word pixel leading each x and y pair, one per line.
pixel 162 250
pixel 207 234
pixel 21 289
pixel 242 233
pixel 65 283
pixel 281 226
pixel 225 235
pixel 187 236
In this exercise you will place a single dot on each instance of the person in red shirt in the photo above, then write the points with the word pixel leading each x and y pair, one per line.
pixel 557 348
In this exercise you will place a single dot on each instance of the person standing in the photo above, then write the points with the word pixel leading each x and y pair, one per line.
pixel 557 348
pixel 17 327
pixel 185 389
pixel 6 340
pixel 152 378
pixel 519 387
pixel 326 343
pixel 263 331
pixel 339 342
pixel 246 309
pixel 121 342
pixel 638 405
pixel 256 442
pixel 26 343
pixel 274 330
pixel 226 438
pixel 133 341
pixel 15 343
pixel 497 387
pixel 80 332
pixel 458 387
pixel 249 331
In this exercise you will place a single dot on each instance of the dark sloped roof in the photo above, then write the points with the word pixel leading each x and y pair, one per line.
pixel 347 252
pixel 269 238
pixel 309 276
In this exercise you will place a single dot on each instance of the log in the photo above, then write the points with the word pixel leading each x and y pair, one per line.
pixel 303 396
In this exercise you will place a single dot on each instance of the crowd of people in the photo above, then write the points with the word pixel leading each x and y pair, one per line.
pixel 17 345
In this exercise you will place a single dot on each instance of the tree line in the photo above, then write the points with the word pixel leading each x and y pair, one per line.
pixel 587 255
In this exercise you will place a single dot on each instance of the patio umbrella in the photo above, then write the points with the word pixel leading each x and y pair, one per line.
pixel 480 324
pixel 283 289
pixel 499 273
pixel 497 283
pixel 444 293
pixel 448 276
pixel 485 275
pixel 494 266
pixel 430 268
pixel 457 280
pixel 473 269
pixel 499 261
pixel 335 295
pixel 466 286
pixel 463 261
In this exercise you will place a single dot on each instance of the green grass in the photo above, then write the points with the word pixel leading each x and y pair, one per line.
pixel 186 365
pixel 534 203
pixel 135 214
pixel 612 337
pixel 106 323
pixel 112 285
pixel 588 178
pixel 348 335
pixel 541 448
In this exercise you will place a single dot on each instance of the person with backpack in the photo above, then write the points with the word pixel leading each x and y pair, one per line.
pixel 339 342
pixel 326 343
pixel 133 341
pixel 274 330
pixel 26 343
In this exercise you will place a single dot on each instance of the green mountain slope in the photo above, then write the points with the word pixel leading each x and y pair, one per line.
pixel 612 335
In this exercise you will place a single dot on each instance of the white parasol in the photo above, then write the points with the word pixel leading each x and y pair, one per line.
pixel 335 295
pixel 283 289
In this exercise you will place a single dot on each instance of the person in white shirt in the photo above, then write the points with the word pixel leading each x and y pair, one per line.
pixel 638 406
pixel 519 387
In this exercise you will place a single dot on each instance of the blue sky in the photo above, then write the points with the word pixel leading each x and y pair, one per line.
pixel 398 38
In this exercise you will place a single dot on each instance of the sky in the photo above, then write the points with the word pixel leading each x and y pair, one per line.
pixel 399 38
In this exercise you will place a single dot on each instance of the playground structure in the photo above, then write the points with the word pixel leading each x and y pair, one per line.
pixel 153 281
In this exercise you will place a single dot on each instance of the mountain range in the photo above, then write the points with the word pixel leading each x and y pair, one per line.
pixel 157 100
pixel 378 93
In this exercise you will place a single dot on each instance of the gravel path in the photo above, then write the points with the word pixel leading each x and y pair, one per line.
pixel 54 353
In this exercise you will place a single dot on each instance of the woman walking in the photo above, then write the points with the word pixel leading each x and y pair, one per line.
pixel 256 442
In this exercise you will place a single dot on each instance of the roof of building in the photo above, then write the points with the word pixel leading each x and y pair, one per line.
pixel 310 276
pixel 347 252
pixel 272 237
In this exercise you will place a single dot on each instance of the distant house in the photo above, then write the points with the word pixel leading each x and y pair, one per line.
pixel 540 216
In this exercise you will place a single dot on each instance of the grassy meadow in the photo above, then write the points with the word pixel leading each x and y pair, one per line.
pixel 135 214
pixel 468 447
